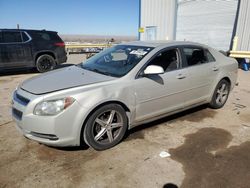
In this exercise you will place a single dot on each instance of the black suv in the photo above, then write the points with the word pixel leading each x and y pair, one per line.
pixel 21 48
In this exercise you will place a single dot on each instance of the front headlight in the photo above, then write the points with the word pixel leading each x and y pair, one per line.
pixel 53 107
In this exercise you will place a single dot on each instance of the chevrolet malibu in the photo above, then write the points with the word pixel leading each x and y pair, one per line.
pixel 97 101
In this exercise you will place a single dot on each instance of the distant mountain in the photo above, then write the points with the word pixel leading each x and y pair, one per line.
pixel 95 38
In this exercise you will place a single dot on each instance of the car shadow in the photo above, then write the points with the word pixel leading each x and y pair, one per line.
pixel 63 65
pixel 18 71
pixel 173 117
pixel 133 133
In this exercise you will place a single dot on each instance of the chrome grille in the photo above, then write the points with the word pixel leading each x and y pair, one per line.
pixel 20 99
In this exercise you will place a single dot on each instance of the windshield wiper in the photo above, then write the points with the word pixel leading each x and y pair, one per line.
pixel 98 71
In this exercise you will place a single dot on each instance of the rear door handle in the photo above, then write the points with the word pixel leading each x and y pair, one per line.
pixel 180 76
pixel 215 68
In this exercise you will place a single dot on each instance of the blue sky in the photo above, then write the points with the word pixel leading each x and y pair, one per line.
pixel 97 17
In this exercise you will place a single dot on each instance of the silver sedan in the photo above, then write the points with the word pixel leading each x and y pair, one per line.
pixel 97 101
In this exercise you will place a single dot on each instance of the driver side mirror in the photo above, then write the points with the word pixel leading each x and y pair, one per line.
pixel 153 69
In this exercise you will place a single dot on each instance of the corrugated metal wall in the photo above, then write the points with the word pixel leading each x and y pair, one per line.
pixel 243 26
pixel 206 21
pixel 162 15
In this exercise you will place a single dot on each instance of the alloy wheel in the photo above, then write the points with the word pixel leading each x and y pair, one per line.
pixel 107 126
pixel 222 94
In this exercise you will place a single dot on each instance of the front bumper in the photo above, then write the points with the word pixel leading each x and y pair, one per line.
pixel 60 130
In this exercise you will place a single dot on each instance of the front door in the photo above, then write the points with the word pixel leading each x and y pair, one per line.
pixel 163 93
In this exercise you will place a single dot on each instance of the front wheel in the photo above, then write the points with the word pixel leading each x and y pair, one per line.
pixel 45 63
pixel 106 127
pixel 220 94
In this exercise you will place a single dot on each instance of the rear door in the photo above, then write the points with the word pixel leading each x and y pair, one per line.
pixel 201 70
pixel 16 49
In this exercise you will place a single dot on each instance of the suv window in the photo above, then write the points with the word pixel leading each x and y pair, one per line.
pixel 12 37
pixel 45 36
pixel 194 56
pixel 41 36
pixel 1 37
pixel 168 60
pixel 25 37
pixel 54 36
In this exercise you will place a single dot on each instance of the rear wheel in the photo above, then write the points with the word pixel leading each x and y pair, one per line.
pixel 45 63
pixel 106 127
pixel 220 94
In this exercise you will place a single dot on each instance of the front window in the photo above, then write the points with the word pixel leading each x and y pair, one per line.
pixel 116 61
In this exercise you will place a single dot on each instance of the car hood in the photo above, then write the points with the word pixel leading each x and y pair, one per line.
pixel 64 78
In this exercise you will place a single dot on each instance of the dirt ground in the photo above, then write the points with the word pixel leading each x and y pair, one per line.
pixel 209 148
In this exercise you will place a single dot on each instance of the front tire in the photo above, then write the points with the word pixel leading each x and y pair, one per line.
pixel 45 63
pixel 220 95
pixel 106 127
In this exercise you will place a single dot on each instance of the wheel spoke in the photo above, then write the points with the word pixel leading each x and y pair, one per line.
pixel 223 87
pixel 116 125
pixel 100 134
pixel 111 117
pixel 110 135
pixel 100 122
pixel 224 93
pixel 218 99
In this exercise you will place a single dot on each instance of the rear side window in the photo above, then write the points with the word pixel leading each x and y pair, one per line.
pixel 1 37
pixel 12 37
pixel 25 37
pixel 54 36
pixel 195 56
pixel 40 36
pixel 46 36
pixel 210 57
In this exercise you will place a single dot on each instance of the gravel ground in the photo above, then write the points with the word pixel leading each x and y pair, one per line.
pixel 208 148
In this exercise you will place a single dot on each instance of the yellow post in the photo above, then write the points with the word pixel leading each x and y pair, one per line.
pixel 235 43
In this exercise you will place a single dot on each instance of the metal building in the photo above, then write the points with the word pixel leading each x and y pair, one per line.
pixel 211 22
pixel 157 19
pixel 241 47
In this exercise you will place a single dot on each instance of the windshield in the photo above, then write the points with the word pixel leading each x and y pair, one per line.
pixel 116 61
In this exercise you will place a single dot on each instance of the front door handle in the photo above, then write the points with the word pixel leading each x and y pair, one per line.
pixel 180 76
pixel 215 68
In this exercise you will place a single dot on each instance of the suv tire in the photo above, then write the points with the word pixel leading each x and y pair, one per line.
pixel 45 63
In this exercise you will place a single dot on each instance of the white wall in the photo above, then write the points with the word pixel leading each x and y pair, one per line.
pixel 206 21
pixel 159 13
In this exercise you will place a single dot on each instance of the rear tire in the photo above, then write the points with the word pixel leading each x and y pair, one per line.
pixel 45 63
pixel 106 127
pixel 220 95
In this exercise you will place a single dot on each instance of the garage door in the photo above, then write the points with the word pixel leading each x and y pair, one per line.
pixel 209 22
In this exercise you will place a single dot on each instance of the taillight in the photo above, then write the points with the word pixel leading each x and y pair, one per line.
pixel 59 44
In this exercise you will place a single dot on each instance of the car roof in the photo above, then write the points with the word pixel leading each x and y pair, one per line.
pixel 31 30
pixel 164 43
